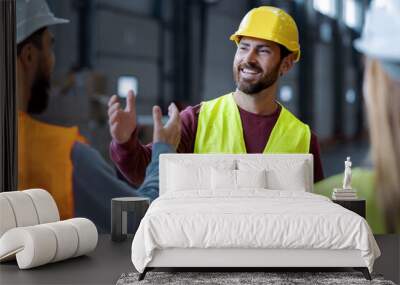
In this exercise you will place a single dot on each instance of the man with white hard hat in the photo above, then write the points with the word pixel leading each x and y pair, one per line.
pixel 35 62
pixel 57 158
pixel 247 120
pixel 380 42
pixel 380 37
pixel 34 15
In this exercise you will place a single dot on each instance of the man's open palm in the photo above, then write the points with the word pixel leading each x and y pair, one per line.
pixel 122 122
pixel 171 132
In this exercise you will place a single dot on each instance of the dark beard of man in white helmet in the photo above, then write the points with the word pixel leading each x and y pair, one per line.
pixel 39 93
pixel 35 65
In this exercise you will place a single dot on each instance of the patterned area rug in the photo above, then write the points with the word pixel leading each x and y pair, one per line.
pixel 242 278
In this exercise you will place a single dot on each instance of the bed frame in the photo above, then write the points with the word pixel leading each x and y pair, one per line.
pixel 244 259
pixel 248 259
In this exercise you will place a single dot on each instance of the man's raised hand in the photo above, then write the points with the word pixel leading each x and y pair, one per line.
pixel 122 122
pixel 171 132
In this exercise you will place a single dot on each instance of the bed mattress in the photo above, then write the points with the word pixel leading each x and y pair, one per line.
pixel 250 219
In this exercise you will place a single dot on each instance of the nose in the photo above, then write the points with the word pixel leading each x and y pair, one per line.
pixel 250 56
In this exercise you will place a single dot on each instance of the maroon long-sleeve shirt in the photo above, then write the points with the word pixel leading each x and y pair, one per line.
pixel 132 157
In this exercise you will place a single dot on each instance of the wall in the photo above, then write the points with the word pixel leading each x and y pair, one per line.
pixel 145 39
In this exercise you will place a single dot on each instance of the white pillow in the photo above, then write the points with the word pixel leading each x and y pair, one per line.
pixel 237 179
pixel 223 179
pixel 281 174
pixel 186 175
pixel 292 180
pixel 183 178
pixel 251 178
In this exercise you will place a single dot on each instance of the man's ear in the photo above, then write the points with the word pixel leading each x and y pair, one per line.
pixel 287 64
pixel 28 55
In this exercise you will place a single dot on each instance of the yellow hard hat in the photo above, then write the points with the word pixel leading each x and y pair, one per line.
pixel 270 23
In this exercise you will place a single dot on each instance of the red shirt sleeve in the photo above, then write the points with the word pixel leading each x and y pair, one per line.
pixel 131 158
pixel 189 118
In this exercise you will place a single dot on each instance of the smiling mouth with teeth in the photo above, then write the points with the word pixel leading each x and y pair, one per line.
pixel 249 71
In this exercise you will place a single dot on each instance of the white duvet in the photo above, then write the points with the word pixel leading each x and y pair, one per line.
pixel 250 219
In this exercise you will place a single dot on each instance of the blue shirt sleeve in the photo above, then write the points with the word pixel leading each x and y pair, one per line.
pixel 150 187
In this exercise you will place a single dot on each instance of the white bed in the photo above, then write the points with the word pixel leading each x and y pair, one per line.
pixel 247 211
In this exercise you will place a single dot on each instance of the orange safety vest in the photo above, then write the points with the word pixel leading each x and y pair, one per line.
pixel 44 160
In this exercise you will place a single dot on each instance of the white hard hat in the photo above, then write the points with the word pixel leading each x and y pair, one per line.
pixel 380 37
pixel 33 15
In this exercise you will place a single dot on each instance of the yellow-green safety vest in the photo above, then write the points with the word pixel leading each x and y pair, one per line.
pixel 219 130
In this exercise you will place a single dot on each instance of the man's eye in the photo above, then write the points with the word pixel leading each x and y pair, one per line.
pixel 264 51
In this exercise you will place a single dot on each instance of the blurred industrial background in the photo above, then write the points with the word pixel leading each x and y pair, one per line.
pixel 179 50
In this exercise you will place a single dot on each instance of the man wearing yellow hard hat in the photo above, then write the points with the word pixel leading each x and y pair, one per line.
pixel 248 120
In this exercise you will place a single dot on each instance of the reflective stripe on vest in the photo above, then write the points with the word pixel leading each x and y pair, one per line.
pixel 219 130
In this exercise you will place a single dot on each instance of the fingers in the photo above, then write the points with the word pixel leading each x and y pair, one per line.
pixel 157 115
pixel 173 111
pixel 173 114
pixel 114 117
pixel 113 105
pixel 112 100
pixel 113 108
pixel 130 102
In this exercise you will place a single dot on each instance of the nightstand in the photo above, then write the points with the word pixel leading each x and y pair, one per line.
pixel 358 206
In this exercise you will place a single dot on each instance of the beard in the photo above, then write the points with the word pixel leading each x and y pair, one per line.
pixel 39 93
pixel 263 83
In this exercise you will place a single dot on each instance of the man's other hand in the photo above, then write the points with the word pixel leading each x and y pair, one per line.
pixel 171 132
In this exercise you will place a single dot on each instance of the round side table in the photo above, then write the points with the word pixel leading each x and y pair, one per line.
pixel 119 212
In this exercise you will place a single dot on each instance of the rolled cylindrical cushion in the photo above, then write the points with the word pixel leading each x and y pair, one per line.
pixel 87 234
pixel 67 240
pixel 37 245
pixel 45 205
pixel 23 208
pixel 33 246
pixel 7 218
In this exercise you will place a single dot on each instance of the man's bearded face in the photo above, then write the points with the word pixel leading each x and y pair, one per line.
pixel 256 65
